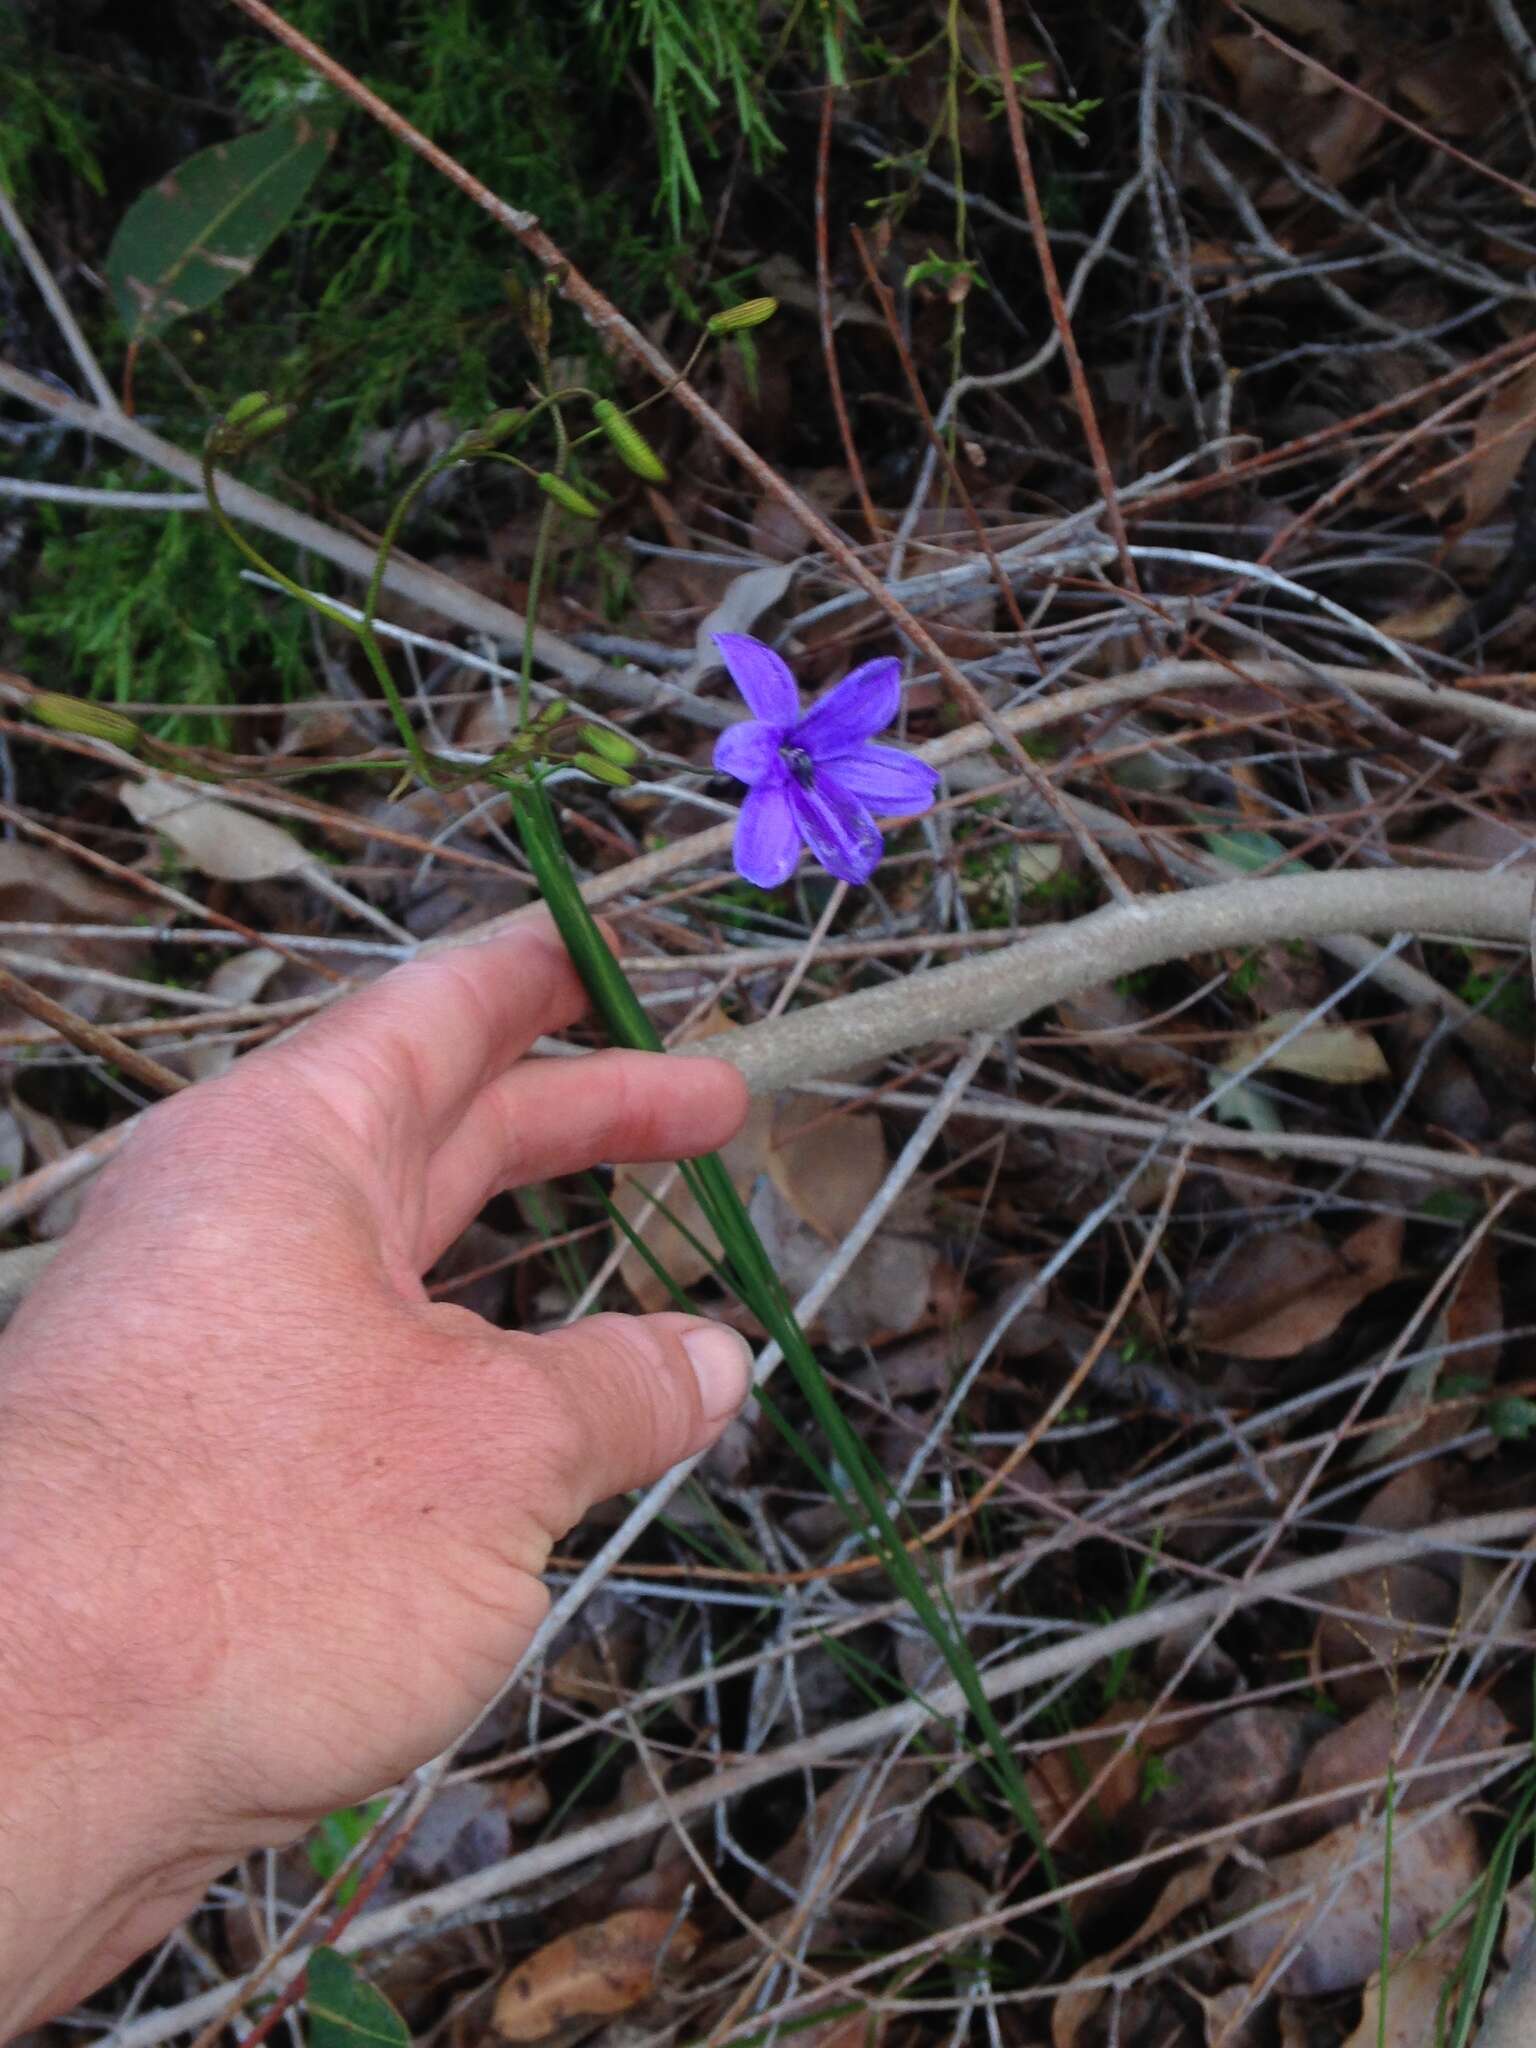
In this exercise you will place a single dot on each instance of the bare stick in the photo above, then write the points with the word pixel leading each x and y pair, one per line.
pixel 991 991
pixel 1522 47
pixel 91 1038
pixel 410 579
pixel 57 305
pixel 1061 320
pixel 853 1736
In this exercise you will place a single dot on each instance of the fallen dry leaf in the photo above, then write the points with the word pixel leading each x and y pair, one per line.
pixel 1414 1988
pixel 240 979
pixel 1337 1053
pixel 1059 1776
pixel 1338 1924
pixel 827 1168
pixel 1402 1729
pixel 1112 1020
pixel 1074 2009
pixel 1283 1290
pixel 219 840
pixel 1502 436
pixel 1236 1767
pixel 1421 623
pixel 592 1973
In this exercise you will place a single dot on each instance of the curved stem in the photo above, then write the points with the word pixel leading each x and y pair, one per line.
pixel 994 990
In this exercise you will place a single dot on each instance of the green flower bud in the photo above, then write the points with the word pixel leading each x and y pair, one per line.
pixel 750 313
pixel 613 746
pixel 272 421
pixel 75 714
pixel 601 770
pixel 246 408
pixel 567 495
pixel 482 439
pixel 249 420
pixel 635 451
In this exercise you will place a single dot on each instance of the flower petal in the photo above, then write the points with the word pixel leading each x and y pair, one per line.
pixel 883 778
pixel 863 703
pixel 749 751
pixel 767 842
pixel 837 829
pixel 761 677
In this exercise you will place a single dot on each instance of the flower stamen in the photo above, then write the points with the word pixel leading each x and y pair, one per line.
pixel 799 764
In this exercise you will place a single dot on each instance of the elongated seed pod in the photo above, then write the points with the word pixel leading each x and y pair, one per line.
pixel 601 770
pixel 634 450
pixel 613 746
pixel 76 714
pixel 567 495
pixel 246 408
pixel 750 313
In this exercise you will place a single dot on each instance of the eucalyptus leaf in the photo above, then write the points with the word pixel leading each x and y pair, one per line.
pixel 203 227
pixel 346 2012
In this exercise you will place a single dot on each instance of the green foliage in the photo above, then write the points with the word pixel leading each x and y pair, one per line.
pixel 347 2012
pixel 1244 978
pixel 1156 1776
pixel 139 608
pixel 1505 997
pixel 1452 1205
pixel 706 58
pixel 42 111
pixel 1512 1418
pixel 336 1837
pixel 185 242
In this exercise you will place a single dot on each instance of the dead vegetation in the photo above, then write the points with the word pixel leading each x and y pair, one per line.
pixel 1181 1291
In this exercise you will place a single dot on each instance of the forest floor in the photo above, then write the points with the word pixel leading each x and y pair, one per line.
pixel 1159 382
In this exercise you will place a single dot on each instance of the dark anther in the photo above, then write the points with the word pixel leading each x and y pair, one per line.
pixel 800 764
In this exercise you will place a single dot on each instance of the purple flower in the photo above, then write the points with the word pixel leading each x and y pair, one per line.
pixel 815 778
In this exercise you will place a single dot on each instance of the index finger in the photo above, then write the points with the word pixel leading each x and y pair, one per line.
pixel 405 1057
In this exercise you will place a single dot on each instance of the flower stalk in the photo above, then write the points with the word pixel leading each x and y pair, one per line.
pixel 754 1279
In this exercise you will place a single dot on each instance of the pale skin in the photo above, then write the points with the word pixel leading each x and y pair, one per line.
pixel 272 1522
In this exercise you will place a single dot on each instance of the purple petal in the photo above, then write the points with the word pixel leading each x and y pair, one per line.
pixel 761 677
pixel 749 751
pixel 837 829
pixel 863 703
pixel 767 836
pixel 883 778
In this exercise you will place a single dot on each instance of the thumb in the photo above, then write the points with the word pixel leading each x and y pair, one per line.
pixel 625 1398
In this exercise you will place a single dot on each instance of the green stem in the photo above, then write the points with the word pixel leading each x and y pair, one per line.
pixel 758 1283
pixel 360 629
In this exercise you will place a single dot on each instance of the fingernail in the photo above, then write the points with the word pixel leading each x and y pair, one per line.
pixel 722 1365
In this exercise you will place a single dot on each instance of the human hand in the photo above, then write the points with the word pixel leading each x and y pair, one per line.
pixel 271 1521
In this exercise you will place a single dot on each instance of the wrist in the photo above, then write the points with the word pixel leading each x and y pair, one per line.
pixel 97 1856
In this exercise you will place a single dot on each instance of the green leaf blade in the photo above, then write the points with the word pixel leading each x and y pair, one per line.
pixel 204 227
pixel 346 2012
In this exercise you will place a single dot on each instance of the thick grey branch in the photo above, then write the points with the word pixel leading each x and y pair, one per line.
pixel 991 991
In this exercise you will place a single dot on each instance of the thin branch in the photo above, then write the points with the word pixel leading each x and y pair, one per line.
pixel 102 500
pixel 992 991
pixel 450 600
pixel 1524 193
pixel 58 306
pixel 854 1736
pixel 1061 320
pixel 1522 47
pixel 90 1038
